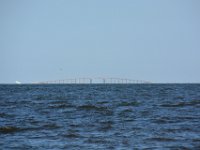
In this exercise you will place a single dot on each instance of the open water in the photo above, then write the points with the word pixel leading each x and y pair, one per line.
pixel 140 116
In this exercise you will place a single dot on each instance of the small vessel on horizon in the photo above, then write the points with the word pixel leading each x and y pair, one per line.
pixel 17 82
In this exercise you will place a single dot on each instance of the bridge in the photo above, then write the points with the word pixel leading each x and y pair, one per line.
pixel 98 80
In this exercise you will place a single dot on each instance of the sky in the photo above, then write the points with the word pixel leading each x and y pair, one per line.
pixel 152 40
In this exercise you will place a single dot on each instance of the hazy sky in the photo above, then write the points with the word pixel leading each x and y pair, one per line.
pixel 156 40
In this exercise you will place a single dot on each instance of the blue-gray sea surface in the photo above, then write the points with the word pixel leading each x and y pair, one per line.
pixel 140 116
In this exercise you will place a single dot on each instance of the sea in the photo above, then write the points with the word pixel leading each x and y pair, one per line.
pixel 100 116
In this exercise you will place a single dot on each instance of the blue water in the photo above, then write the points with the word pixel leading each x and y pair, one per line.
pixel 151 116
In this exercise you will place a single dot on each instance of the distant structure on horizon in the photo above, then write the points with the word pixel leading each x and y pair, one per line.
pixel 99 80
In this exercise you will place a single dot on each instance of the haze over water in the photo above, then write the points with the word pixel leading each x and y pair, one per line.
pixel 157 41
pixel 52 40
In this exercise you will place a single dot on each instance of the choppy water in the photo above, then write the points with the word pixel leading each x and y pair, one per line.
pixel 100 116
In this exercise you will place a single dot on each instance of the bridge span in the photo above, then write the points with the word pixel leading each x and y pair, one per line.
pixel 99 80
